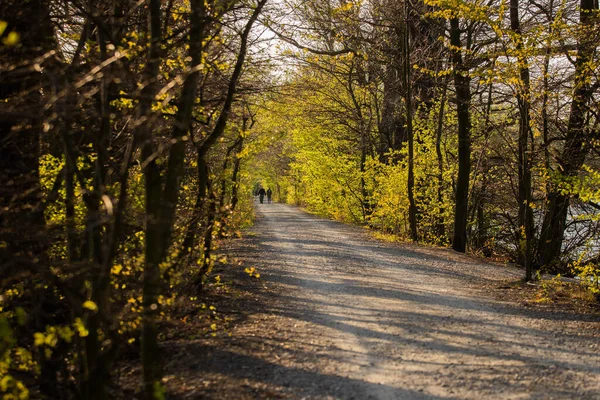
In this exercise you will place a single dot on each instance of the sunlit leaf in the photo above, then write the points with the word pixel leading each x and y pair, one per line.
pixel 90 305
pixel 11 39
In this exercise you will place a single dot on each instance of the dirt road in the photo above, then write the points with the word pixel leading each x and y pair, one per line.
pixel 350 317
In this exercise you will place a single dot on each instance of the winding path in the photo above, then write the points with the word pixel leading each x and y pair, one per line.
pixel 357 318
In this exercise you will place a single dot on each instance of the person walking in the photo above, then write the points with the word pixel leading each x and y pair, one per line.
pixel 269 194
pixel 261 195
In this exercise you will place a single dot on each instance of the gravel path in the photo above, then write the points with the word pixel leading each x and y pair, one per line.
pixel 355 318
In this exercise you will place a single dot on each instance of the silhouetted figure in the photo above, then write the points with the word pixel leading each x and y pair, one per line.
pixel 261 195
pixel 269 194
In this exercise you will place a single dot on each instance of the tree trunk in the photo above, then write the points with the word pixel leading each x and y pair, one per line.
pixel 151 367
pixel 72 248
pixel 546 126
pixel 190 237
pixel 574 151
pixel 183 121
pixel 482 234
pixel 412 208
pixel 98 370
pixel 391 127
pixel 208 238
pixel 224 210
pixel 441 226
pixel 23 236
pixel 365 203
pixel 234 177
pixel 463 100
pixel 22 222
pixel 524 157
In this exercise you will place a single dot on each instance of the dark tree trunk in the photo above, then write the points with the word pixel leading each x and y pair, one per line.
pixel 207 262
pixel 72 246
pixel 481 237
pixel 441 225
pixel 524 154
pixel 97 368
pixel 235 177
pixel 223 209
pixel 22 223
pixel 183 121
pixel 412 208
pixel 151 367
pixel 365 203
pixel 463 100
pixel 23 235
pixel 391 128
pixel 195 224
pixel 574 151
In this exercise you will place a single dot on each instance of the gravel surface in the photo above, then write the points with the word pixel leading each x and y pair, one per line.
pixel 351 317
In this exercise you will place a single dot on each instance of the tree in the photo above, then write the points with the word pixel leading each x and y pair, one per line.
pixel 524 148
pixel 463 100
pixel 110 104
pixel 412 209
pixel 578 134
pixel 23 52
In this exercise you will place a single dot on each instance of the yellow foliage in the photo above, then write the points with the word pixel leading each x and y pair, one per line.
pixel 251 272
pixel 38 339
pixel 12 39
pixel 90 305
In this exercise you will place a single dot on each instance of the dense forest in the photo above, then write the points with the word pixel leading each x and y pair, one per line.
pixel 134 133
